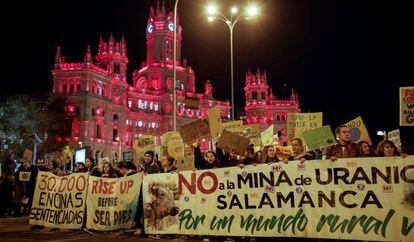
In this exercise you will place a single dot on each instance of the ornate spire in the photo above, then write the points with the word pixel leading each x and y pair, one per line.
pixel 111 43
pixel 123 45
pixel 163 7
pixel 88 56
pixel 58 58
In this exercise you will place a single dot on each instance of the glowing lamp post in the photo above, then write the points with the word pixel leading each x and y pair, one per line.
pixel 120 148
pixel 235 17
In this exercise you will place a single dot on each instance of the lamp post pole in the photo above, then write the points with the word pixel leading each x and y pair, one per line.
pixel 175 68
pixel 231 22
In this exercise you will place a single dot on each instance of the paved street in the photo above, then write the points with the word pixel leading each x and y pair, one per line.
pixel 18 230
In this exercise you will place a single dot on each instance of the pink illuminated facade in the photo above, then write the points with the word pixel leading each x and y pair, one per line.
pixel 263 108
pixel 106 113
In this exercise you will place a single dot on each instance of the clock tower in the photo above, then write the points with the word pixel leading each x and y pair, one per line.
pixel 160 36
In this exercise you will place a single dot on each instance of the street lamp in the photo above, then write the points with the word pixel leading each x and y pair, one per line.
pixel 175 68
pixel 231 21
pixel 120 148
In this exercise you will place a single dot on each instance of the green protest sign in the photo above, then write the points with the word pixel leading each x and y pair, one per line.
pixel 319 137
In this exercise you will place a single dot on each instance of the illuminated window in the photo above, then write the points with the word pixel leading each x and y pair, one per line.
pixel 99 90
pixel 151 105
pixel 129 103
pixel 127 122
pixel 156 106
pixel 139 123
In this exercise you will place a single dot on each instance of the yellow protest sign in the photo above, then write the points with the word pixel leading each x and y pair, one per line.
pixel 268 136
pixel 252 132
pixel 214 120
pixel 299 122
pixel 24 175
pixel 234 126
pixel 406 106
pixel 185 163
pixel 358 130
pixel 144 144
pixel 175 145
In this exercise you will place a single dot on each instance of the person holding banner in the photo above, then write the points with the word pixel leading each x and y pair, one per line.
pixel 168 164
pixel 250 158
pixel 269 155
pixel 80 167
pixel 387 148
pixel 365 149
pixel 108 170
pixel 299 151
pixel 127 168
pixel 150 164
pixel 345 148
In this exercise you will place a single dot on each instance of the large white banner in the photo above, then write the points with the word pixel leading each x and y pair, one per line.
pixel 112 202
pixel 59 202
pixel 358 198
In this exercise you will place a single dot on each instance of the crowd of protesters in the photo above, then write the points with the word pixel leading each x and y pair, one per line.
pixel 17 195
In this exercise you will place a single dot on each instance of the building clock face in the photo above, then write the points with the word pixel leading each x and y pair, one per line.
pixel 170 26
pixel 150 28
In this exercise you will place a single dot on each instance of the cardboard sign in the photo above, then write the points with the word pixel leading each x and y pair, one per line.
pixel 252 132
pixel 214 120
pixel 192 102
pixel 102 161
pixel 24 176
pixel 267 136
pixel 297 123
pixel 394 136
pixel 144 144
pixel 234 126
pixel 27 155
pixel 233 142
pixel 185 163
pixel 175 146
pixel 165 138
pixel 196 130
pixel 320 137
pixel 358 130
pixel 406 106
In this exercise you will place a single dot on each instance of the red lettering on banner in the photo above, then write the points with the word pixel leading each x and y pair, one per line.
pixel 125 186
pixel 191 187
pixel 103 187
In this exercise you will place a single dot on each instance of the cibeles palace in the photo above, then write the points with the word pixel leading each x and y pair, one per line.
pixel 103 109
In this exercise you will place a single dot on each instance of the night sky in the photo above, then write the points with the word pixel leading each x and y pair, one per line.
pixel 344 58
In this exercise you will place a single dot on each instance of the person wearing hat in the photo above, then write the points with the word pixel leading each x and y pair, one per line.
pixel 150 165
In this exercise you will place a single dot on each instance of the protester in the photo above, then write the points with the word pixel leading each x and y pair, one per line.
pixel 108 170
pixel 250 158
pixel 167 164
pixel 80 167
pixel 269 154
pixel 365 149
pixel 26 188
pixel 7 187
pixel 299 151
pixel 127 168
pixel 91 168
pixel 387 148
pixel 150 165
pixel 209 162
pixel 345 148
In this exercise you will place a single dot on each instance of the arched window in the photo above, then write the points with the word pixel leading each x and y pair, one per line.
pixel 117 69
pixel 93 112
pixel 114 135
pixel 115 116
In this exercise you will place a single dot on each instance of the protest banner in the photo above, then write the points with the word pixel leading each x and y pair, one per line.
pixel 267 136
pixel 214 120
pixel 394 136
pixel 252 132
pixel 406 106
pixel 319 137
pixel 357 198
pixel 185 163
pixel 299 122
pixel 27 155
pixel 24 176
pixel 233 126
pixel 112 202
pixel 358 131
pixel 233 142
pixel 59 202
pixel 144 144
pixel 196 130
pixel 175 145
